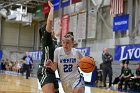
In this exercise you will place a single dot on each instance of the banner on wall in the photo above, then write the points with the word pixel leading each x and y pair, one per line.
pixel 46 8
pixel 81 27
pixel 65 3
pixel 56 4
pixel 1 54
pixel 73 25
pixel 85 51
pixel 76 1
pixel 92 20
pixel 36 55
pixel 131 52
pixel 39 10
pixel 120 23
pixel 65 25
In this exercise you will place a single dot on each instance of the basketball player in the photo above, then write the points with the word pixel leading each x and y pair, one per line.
pixel 66 58
pixel 45 75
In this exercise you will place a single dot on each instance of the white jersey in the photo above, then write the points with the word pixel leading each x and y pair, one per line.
pixel 67 63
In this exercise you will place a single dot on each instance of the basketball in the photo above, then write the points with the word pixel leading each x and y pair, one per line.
pixel 87 64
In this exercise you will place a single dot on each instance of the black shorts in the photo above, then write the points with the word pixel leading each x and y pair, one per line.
pixel 45 77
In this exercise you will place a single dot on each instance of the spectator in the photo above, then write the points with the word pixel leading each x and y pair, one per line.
pixel 18 66
pixel 2 65
pixel 7 66
pixel 125 76
pixel 107 66
pixel 136 78
pixel 117 79
pixel 14 66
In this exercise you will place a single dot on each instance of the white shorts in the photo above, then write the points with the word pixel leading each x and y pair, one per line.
pixel 70 84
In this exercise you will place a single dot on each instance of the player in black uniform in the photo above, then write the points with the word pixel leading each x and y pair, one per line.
pixel 136 79
pixel 125 76
pixel 137 76
pixel 46 76
pixel 117 79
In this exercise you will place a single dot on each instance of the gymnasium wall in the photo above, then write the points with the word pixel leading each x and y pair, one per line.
pixel 17 38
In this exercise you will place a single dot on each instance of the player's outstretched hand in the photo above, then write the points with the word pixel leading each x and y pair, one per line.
pixel 50 4
pixel 49 64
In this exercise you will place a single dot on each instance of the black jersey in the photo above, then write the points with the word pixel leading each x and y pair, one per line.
pixel 127 71
pixel 47 41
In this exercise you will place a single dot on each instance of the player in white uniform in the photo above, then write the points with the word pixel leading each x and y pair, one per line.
pixel 66 59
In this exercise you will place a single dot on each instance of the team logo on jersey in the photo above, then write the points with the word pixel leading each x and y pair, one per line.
pixel 68 60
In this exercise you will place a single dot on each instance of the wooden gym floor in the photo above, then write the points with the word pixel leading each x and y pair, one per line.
pixel 18 84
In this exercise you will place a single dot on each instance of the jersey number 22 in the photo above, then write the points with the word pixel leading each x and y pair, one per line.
pixel 68 67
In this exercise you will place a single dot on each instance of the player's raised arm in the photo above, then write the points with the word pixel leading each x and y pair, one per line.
pixel 58 31
pixel 50 18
